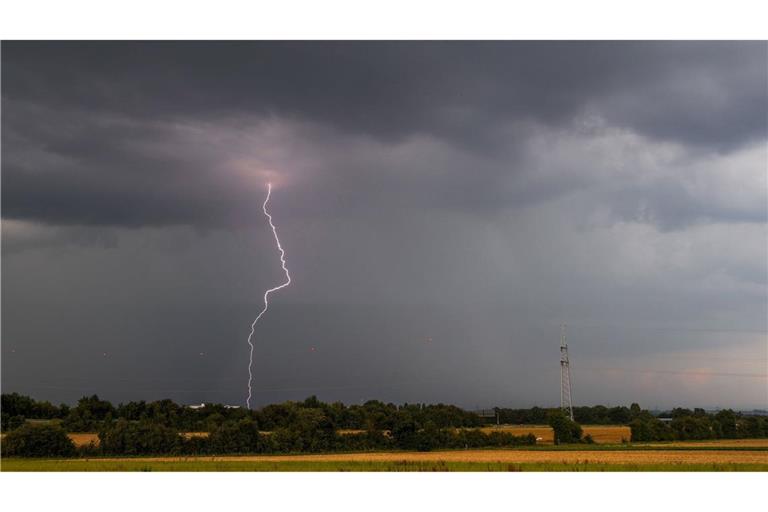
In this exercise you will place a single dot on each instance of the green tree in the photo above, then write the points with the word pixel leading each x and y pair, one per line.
pixel 649 428
pixel 14 404
pixel 619 415
pixel 429 438
pixel 237 437
pixel 691 427
pixel 80 420
pixel 143 438
pixel 37 440
pixel 97 407
pixel 214 421
pixel 754 426
pixel 311 431
pixel 565 429
pixel 404 431
pixel 726 420
pixel 15 422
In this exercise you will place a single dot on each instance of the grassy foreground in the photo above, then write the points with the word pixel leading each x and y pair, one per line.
pixel 292 465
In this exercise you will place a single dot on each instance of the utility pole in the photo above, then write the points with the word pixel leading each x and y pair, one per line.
pixel 565 376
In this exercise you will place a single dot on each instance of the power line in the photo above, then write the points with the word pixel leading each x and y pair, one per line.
pixel 672 328
pixel 683 372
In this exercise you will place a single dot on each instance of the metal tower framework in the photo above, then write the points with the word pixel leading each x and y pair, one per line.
pixel 565 376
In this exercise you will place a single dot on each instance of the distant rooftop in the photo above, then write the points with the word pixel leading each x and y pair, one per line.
pixel 200 406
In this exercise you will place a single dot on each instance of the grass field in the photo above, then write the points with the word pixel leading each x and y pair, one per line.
pixel 319 465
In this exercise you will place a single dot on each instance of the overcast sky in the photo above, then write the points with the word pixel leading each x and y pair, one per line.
pixel 444 207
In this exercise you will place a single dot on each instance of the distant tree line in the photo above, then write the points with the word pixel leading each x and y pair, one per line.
pixel 596 415
pixel 312 426
pixel 686 425
pixel 90 412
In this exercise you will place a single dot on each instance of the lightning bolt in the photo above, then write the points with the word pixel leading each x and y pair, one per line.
pixel 266 294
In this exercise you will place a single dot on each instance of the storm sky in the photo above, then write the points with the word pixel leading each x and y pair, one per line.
pixel 444 207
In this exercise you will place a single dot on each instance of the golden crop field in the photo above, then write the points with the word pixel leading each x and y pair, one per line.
pixel 721 455
pixel 603 434
pixel 543 433
pixel 84 438
pixel 608 434
pixel 507 456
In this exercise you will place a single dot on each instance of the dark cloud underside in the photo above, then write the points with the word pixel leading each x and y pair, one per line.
pixel 473 193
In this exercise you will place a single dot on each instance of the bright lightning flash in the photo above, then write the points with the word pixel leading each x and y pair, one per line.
pixel 266 294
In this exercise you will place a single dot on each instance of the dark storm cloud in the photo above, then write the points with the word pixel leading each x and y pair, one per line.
pixel 69 168
pixel 707 93
pixel 475 193
pixel 100 109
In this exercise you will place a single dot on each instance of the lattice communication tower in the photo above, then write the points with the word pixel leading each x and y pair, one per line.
pixel 565 376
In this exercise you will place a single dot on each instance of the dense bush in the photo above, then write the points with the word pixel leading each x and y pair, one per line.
pixel 88 414
pixel 649 429
pixel 142 438
pixel 12 422
pixel 565 429
pixel 41 440
pixel 15 407
pixel 237 437
pixel 692 425
pixel 311 431
pixel 369 440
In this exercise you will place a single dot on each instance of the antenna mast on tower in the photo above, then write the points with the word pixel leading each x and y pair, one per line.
pixel 565 376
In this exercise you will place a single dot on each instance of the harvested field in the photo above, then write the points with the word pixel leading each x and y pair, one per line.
pixel 84 438
pixel 604 434
pixel 508 456
pixel 353 431
pixel 543 433
pixel 190 435
pixel 608 434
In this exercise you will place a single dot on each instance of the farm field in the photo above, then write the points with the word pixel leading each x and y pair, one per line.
pixel 606 434
pixel 749 456
pixel 85 438
pixel 371 466
pixel 514 456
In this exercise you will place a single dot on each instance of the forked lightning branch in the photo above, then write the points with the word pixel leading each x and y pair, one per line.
pixel 266 294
